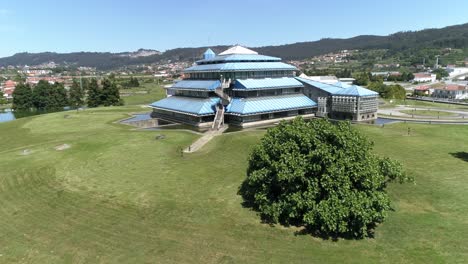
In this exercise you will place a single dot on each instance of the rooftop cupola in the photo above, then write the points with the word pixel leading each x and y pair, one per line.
pixel 238 50
pixel 209 54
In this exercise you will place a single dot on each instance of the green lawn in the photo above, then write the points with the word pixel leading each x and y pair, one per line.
pixel 430 113
pixel 120 196
pixel 415 103
pixel 147 93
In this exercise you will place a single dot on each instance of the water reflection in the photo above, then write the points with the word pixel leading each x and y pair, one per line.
pixel 10 115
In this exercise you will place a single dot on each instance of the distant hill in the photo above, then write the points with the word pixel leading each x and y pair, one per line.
pixel 140 53
pixel 448 37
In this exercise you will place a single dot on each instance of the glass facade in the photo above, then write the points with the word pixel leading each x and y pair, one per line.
pixel 238 75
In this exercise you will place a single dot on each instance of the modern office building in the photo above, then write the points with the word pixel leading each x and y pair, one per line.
pixel 237 86
pixel 243 88
pixel 342 101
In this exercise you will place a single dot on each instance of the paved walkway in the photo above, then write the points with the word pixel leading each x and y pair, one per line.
pixel 207 136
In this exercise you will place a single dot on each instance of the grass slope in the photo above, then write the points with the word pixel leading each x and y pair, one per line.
pixel 120 196
pixel 146 94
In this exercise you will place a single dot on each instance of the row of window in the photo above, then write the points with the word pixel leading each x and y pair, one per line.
pixel 268 92
pixel 238 75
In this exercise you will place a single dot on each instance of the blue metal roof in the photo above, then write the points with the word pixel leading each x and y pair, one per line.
pixel 341 84
pixel 210 85
pixel 269 104
pixel 188 105
pixel 241 66
pixel 209 52
pixel 355 90
pixel 238 57
pixel 267 83
pixel 340 88
pixel 331 89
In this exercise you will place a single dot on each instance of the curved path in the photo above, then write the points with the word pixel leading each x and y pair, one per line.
pixel 396 112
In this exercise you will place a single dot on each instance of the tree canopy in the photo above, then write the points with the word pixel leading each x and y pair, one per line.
pixel 76 95
pixel 46 96
pixel 394 91
pixel 107 94
pixel 440 73
pixel 94 92
pixel 22 97
pixel 132 82
pixel 321 176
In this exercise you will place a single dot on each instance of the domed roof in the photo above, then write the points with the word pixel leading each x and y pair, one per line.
pixel 238 50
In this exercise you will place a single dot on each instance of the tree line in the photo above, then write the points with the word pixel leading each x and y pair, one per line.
pixel 47 96
pixel 375 83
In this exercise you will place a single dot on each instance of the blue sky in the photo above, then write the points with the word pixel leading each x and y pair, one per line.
pixel 119 25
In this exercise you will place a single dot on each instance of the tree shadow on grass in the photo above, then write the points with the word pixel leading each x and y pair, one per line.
pixel 303 230
pixel 460 155
pixel 307 231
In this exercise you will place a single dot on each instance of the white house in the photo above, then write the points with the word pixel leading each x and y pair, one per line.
pixel 425 77
pixel 452 91
pixel 454 71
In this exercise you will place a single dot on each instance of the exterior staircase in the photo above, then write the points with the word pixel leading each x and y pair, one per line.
pixel 225 98
pixel 219 117
pixel 218 126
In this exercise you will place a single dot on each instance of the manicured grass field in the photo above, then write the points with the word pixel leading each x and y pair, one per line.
pixel 415 103
pixel 118 195
pixel 427 113
pixel 152 92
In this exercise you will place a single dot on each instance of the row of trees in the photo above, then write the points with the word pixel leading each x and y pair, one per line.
pixel 393 91
pixel 107 94
pixel 340 73
pixel 364 78
pixel 46 96
pixel 132 83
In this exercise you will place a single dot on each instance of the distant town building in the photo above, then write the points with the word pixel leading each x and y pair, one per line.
pixel 454 71
pixel 423 90
pixel 452 91
pixel 8 89
pixel 425 77
pixel 386 74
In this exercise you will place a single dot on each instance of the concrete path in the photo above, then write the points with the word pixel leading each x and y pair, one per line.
pixel 207 136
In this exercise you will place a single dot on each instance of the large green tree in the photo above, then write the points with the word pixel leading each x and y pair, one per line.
pixel 321 176
pixel 46 96
pixel 94 94
pixel 22 97
pixel 362 79
pixel 440 73
pixel 59 96
pixel 76 95
pixel 41 95
pixel 110 93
